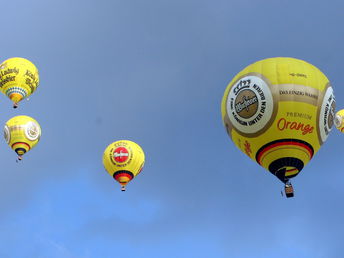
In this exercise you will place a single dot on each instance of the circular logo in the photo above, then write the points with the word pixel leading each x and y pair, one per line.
pixel 246 104
pixel 327 114
pixel 120 154
pixel 7 134
pixel 250 104
pixel 32 131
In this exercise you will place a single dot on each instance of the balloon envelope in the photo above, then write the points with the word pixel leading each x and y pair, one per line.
pixel 279 111
pixel 123 160
pixel 18 78
pixel 22 133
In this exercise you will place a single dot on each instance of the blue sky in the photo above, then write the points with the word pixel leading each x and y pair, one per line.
pixel 154 72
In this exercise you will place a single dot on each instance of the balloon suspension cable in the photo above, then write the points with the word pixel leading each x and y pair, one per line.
pixel 123 188
pixel 15 105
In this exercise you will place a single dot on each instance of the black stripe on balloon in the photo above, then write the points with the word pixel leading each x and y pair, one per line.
pixel 20 149
pixel 131 175
pixel 278 167
pixel 281 141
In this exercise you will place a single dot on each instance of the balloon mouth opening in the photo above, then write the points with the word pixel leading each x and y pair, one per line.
pixel 123 177
pixel 20 148
pixel 15 97
pixel 285 168
pixel 285 158
pixel 20 151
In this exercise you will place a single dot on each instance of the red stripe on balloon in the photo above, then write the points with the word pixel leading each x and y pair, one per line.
pixel 286 143
pixel 117 176
pixel 21 143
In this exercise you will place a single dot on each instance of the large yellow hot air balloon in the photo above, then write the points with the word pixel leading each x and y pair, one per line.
pixel 22 133
pixel 339 120
pixel 279 111
pixel 18 79
pixel 123 160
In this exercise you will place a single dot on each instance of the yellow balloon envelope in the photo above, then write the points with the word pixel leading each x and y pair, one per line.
pixel 18 78
pixel 22 133
pixel 339 120
pixel 279 111
pixel 123 160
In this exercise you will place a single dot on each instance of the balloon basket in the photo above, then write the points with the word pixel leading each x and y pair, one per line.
pixel 289 190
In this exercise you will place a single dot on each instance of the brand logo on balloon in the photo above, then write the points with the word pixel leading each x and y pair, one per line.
pixel 327 114
pixel 32 131
pixel 284 124
pixel 7 134
pixel 250 104
pixel 246 104
pixel 120 155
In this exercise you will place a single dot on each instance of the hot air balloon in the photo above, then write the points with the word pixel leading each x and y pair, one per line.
pixel 279 111
pixel 22 133
pixel 339 120
pixel 18 79
pixel 123 160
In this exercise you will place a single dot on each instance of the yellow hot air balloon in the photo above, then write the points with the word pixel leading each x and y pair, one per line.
pixel 22 133
pixel 18 79
pixel 123 160
pixel 279 111
pixel 339 120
